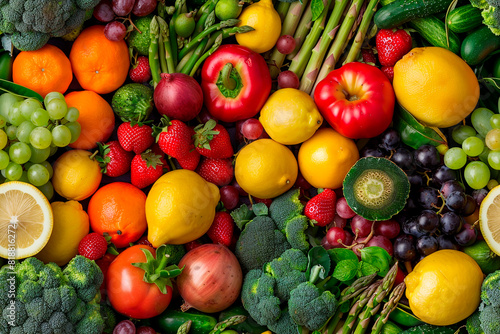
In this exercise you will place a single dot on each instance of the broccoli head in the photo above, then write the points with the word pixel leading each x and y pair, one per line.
pixel 473 325
pixel 490 289
pixel 29 290
pixel 490 12
pixel 85 276
pixel 310 307
pixel 490 319
pixel 284 325
pixel 92 321
pixel 295 232
pixel 285 207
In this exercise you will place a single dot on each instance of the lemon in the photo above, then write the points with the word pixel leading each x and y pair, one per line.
pixel 26 220
pixel 265 168
pixel 436 86
pixel 489 219
pixel 290 116
pixel 180 207
pixel 71 224
pixel 76 175
pixel 266 23
pixel 444 288
pixel 326 157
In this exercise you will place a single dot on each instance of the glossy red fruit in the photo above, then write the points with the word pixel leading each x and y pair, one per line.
pixel 392 45
pixel 93 246
pixel 141 72
pixel 321 208
pixel 137 138
pixel 212 140
pixel 113 159
pixel 146 168
pixel 221 230
pixel 218 171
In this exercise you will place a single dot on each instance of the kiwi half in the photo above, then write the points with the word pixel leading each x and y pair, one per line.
pixel 376 188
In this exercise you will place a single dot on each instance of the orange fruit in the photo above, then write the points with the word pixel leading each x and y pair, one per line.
pixel 44 70
pixel 99 64
pixel 96 118
pixel 119 209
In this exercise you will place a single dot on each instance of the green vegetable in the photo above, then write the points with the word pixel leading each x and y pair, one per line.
pixel 285 207
pixel 478 45
pixel 489 317
pixel 402 315
pixel 295 232
pixel 140 39
pixel 473 324
pixel 490 10
pixel 5 66
pixel 170 320
pixel 402 11
pixel 464 19
pixel 429 329
pixel 490 289
pixel 133 102
pixel 484 256
pixel 247 326
pixel 433 31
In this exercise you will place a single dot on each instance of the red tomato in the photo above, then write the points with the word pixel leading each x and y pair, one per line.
pixel 126 289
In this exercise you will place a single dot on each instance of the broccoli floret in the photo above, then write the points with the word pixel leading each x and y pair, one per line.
pixel 92 322
pixel 52 298
pixel 74 21
pixel 29 290
pixel 295 232
pixel 109 317
pixel 18 310
pixel 69 297
pixel 45 327
pixel 86 4
pixel 28 269
pixel 31 40
pixel 490 319
pixel 490 289
pixel 58 321
pixel 257 296
pixel 32 325
pixel 85 276
pixel 481 4
pixel 284 325
pixel 285 207
pixel 16 330
pixel 473 325
pixel 133 102
pixel 77 312
pixel 37 309
pixel 140 39
pixel 310 307
pixel 260 242
pixel 51 276
pixel 491 18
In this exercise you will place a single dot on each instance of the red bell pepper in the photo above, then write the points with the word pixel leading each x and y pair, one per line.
pixel 357 100
pixel 235 82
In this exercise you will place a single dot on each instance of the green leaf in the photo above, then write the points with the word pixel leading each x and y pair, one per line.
pixel 366 269
pixel 340 254
pixel 317 7
pixel 10 87
pixel 377 257
pixel 242 216
pixel 318 256
pixel 260 209
pixel 345 270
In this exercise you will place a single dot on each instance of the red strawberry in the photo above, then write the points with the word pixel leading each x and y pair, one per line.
pixel 146 169
pixel 157 150
pixel 321 208
pixel 113 159
pixel 137 137
pixel 392 45
pixel 175 139
pixel 218 171
pixel 388 71
pixel 144 241
pixel 93 246
pixel 103 264
pixel 192 245
pixel 212 140
pixel 368 56
pixel 190 160
pixel 141 72
pixel 221 230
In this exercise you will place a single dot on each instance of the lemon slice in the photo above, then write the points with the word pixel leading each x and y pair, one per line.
pixel 489 219
pixel 25 220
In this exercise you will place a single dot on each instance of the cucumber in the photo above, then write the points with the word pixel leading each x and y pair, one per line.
pixel 464 19
pixel 169 321
pixel 433 31
pixel 401 11
pixel 478 45
pixel 429 329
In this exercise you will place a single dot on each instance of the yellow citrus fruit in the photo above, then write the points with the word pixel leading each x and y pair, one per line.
pixel 290 116
pixel 326 157
pixel 180 207
pixel 436 86
pixel 444 288
pixel 71 224
pixel 265 168
pixel 489 219
pixel 76 175
pixel 267 24
pixel 26 220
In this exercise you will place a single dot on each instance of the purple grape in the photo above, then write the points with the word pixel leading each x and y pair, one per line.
pixel 450 186
pixel 450 223
pixel 389 139
pixel 429 198
pixel 285 44
pixel 404 159
pixel 428 221
pixel 456 201
pixel 144 7
pixel 467 236
pixel 124 327
pixel 371 152
pixel 104 11
pixel 427 244
pixel 446 242
pixel 427 157
pixel 404 248
pixel 443 174
pixel 123 7
pixel 288 79
pixel 115 31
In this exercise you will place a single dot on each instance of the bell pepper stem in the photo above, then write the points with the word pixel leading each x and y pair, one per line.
pixel 227 81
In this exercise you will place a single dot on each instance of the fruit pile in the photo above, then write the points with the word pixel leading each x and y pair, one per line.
pixel 229 167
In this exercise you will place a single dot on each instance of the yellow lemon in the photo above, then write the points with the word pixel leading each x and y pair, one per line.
pixel 265 168
pixel 71 224
pixel 180 207
pixel 26 220
pixel 76 175
pixel 290 116
pixel 326 157
pixel 267 24
pixel 489 219
pixel 444 288
pixel 436 86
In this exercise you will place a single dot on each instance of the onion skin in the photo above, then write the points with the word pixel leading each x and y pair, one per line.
pixel 178 96
pixel 211 280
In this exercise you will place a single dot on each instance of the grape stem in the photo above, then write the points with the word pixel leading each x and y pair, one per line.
pixel 364 242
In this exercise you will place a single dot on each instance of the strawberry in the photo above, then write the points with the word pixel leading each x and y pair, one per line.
pixel 221 230
pixel 144 241
pixel 218 171
pixel 175 139
pixel 190 160
pixel 388 71
pixel 321 208
pixel 135 137
pixel 192 245
pixel 146 169
pixel 140 72
pixel 93 246
pixel 392 45
pixel 368 56
pixel 113 159
pixel 212 140
pixel 103 264
pixel 157 150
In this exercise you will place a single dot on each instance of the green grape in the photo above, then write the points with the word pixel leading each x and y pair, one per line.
pixel 3 139
pixel 494 159
pixel 28 106
pixel 48 166
pixel 75 128
pixel 492 139
pixel 495 121
pixel 477 174
pixel 492 184
pixel 23 131
pixel 19 153
pixel 455 158
pixel 40 117
pixel 13 171
pixel 27 165
pixel 15 115
pixel 53 150
pixel 462 132
pixel 484 155
pixel 4 159
pixel 24 177
pixel 3 121
pixel 11 132
pixel 6 102
pixel 2 178
pixel 38 156
pixel 61 136
pixel 47 189
pixel 473 146
pixel 52 95
pixel 38 175
pixel 57 109
pixel 480 119
pixel 40 138
pixel 72 115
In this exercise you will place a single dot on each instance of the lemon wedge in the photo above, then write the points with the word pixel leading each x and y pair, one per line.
pixel 489 219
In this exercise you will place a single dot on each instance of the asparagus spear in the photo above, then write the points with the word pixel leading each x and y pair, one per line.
pixel 183 61
pixel 302 30
pixel 221 326
pixel 282 9
pixel 391 304
pixel 214 47
pixel 363 28
pixel 166 62
pixel 358 306
pixel 227 32
pixel 185 327
pixel 194 57
pixel 208 21
pixel 202 15
pixel 154 61
pixel 179 4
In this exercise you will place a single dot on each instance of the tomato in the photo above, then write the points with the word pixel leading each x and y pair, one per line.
pixel 128 289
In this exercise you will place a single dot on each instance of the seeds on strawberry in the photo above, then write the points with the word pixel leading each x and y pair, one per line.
pixel 113 159
pixel 141 72
pixel 175 139
pixel 93 246
pixel 221 230
pixel 146 169
pixel 388 71
pixel 218 171
pixel 212 140
pixel 392 45
pixel 136 137
pixel 321 208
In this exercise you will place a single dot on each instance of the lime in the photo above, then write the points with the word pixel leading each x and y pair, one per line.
pixel 228 9
pixel 487 260
pixel 185 24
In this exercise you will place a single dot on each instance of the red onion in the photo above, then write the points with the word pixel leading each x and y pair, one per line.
pixel 178 96
pixel 211 279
